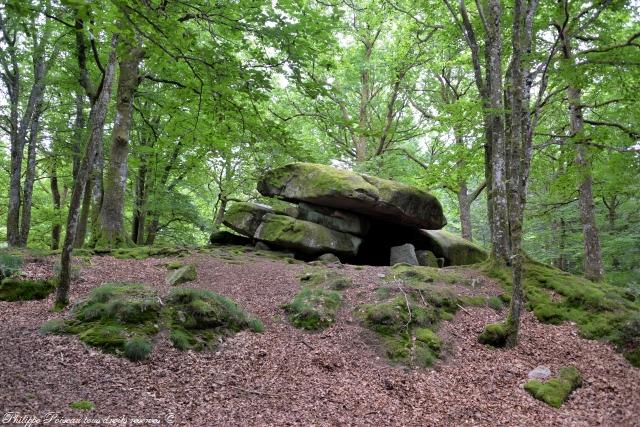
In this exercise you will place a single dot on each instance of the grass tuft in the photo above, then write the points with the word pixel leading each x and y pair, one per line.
pixel 137 349
pixel 556 391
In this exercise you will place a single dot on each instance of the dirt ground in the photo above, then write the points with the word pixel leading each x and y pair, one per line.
pixel 285 376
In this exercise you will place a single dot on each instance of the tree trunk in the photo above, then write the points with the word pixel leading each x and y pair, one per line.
pixel 111 232
pixel 97 118
pixel 29 180
pixel 83 221
pixel 140 205
pixel 55 195
pixel 18 138
pixel 593 267
pixel 465 212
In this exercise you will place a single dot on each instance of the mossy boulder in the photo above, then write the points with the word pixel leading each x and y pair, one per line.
pixel 349 191
pixel 144 252
pixel 426 258
pixel 15 289
pixel 454 249
pixel 413 274
pixel 244 217
pixel 494 334
pixel 182 274
pixel 556 391
pixel 304 236
pixel 313 308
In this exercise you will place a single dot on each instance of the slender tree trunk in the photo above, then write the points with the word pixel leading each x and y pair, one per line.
pixel 465 211
pixel 98 115
pixel 140 205
pixel 499 204
pixel 29 180
pixel 361 142
pixel 78 128
pixel 83 221
pixel 111 232
pixel 593 266
pixel 55 195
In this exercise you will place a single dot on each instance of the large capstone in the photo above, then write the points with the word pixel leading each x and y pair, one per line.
pixel 305 237
pixel 245 218
pixel 350 191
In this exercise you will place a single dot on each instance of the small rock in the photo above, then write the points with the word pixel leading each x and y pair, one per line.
pixel 540 373
pixel 405 253
pixel 329 258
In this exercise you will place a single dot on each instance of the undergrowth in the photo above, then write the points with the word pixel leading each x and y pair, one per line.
pixel 600 310
pixel 406 320
pixel 123 319
pixel 14 289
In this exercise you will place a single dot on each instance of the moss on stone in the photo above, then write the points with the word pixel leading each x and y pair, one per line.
pixel 326 278
pixel 14 289
pixel 418 274
pixel 144 252
pixel 313 308
pixel 556 391
pixel 183 274
pixel 174 265
pixel 406 319
pixel 122 319
pixel 494 334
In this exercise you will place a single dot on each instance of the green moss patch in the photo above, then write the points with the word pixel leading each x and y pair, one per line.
pixel 123 319
pixel 406 319
pixel 183 274
pixel 413 274
pixel 198 319
pixel 600 310
pixel 494 334
pixel 13 289
pixel 85 405
pixel 326 278
pixel 313 308
pixel 556 391
pixel 174 265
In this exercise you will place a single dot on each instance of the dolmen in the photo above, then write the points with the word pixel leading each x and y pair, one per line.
pixel 359 218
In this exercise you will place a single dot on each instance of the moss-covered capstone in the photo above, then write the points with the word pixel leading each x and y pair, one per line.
pixel 556 391
pixel 345 190
pixel 124 318
pixel 15 289
pixel 304 236
pixel 244 217
pixel 454 249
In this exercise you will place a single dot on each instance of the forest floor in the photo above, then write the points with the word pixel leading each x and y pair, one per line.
pixel 286 376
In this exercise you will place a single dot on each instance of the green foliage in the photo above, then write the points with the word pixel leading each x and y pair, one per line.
pixel 137 349
pixel 12 289
pixel 313 308
pixel 54 326
pixel 85 405
pixel 10 265
pixel 556 391
pixel 174 265
pixel 495 302
pixel 600 310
